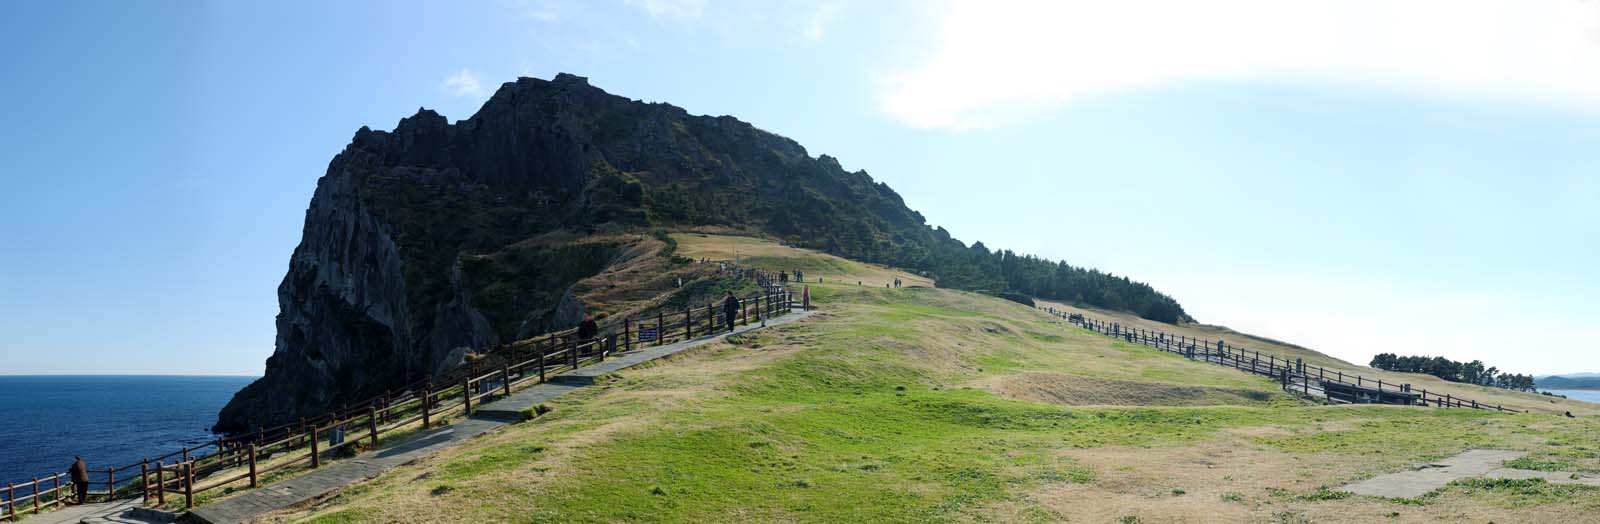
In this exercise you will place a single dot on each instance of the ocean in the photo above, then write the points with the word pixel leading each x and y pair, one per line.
pixel 109 420
pixel 1586 395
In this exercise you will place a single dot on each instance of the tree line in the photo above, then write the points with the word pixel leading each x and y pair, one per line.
pixel 1467 372
pixel 1004 271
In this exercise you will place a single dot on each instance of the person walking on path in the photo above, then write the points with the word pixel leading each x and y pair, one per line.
pixel 588 328
pixel 730 310
pixel 80 478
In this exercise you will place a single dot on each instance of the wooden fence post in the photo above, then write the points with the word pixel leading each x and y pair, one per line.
pixel 252 465
pixel 188 485
pixel 11 501
pixel 688 324
pixel 36 496
pixel 627 332
pixel 111 483
pixel 372 426
pixel 505 377
pixel 161 483
pixel 316 461
pixel 661 328
pixel 541 364
pixel 466 395
pixel 427 400
pixel 144 479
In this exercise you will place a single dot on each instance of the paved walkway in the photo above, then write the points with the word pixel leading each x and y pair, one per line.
pixel 1471 463
pixel 75 514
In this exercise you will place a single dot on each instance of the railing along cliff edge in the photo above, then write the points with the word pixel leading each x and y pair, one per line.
pixel 189 471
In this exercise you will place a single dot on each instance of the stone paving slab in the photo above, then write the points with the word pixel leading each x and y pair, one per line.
pixel 1471 463
pixel 488 416
pixel 75 514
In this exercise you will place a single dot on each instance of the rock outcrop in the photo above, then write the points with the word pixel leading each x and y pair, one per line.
pixel 435 239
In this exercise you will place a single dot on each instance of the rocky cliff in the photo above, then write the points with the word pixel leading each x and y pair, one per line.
pixel 434 239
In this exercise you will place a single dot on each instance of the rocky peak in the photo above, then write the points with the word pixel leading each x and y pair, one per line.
pixel 414 248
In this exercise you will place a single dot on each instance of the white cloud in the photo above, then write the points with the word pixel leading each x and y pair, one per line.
pixel 463 83
pixel 817 26
pixel 993 59
pixel 683 10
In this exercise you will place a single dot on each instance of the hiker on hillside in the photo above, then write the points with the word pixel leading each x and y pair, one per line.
pixel 80 478
pixel 730 309
pixel 588 328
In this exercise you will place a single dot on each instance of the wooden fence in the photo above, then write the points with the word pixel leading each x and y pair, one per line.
pixel 1295 375
pixel 33 497
pixel 242 460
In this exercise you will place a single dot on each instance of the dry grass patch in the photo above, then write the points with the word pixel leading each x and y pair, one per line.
pixel 771 255
pixel 1072 390
pixel 1230 480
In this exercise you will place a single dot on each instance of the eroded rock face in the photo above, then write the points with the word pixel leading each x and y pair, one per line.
pixel 342 307
pixel 377 295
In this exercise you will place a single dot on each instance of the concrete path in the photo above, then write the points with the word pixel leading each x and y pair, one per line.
pixel 324 481
pixel 75 514
pixel 1471 463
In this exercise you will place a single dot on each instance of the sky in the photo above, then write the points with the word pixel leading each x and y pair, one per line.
pixel 1354 176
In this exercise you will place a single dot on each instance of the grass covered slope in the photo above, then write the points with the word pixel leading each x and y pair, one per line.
pixel 927 405
pixel 771 255
pixel 1511 399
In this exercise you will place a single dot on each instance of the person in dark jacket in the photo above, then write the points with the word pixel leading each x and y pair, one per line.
pixel 80 478
pixel 730 310
pixel 588 328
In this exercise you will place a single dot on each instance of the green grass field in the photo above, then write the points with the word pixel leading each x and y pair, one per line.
pixel 927 405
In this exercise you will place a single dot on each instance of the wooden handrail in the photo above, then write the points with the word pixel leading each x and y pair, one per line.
pixel 380 415
pixel 1271 367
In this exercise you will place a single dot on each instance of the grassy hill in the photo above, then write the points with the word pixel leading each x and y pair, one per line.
pixel 1511 399
pixel 932 405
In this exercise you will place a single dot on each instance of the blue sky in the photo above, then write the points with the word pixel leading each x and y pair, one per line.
pixel 1344 175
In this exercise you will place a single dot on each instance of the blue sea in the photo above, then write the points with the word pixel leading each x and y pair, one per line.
pixel 109 420
pixel 1586 395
